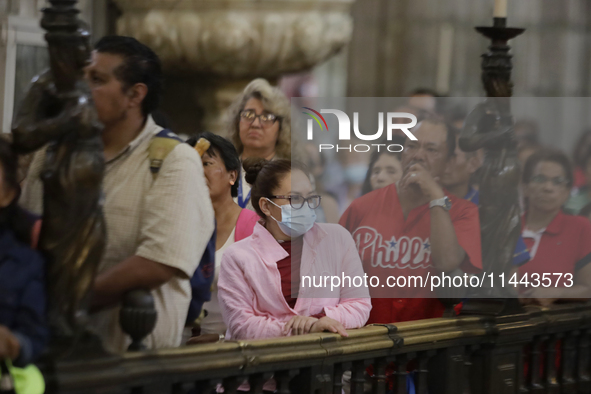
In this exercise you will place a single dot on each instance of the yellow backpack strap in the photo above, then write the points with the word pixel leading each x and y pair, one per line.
pixel 161 145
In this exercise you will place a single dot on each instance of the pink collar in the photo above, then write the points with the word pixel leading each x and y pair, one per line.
pixel 269 249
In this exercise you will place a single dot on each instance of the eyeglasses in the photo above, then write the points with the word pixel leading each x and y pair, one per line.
pixel 266 119
pixel 556 181
pixel 297 202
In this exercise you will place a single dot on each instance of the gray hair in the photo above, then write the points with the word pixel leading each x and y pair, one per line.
pixel 273 101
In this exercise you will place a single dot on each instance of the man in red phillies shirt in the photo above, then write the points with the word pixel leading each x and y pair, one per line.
pixel 415 228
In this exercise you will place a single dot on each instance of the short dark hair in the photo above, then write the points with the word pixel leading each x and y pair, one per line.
pixel 265 176
pixel 224 149
pixel 422 91
pixel 140 65
pixel 548 155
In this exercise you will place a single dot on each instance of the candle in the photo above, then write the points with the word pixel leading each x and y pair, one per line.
pixel 500 9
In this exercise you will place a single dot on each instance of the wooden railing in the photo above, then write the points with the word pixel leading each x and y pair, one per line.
pixel 510 354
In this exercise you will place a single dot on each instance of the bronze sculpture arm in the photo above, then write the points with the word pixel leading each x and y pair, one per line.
pixel 485 128
pixel 475 141
pixel 32 128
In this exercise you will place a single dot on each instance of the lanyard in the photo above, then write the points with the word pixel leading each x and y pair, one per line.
pixel 471 194
pixel 242 202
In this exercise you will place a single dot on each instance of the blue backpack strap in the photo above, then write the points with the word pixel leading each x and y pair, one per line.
pixel 202 280
pixel 167 133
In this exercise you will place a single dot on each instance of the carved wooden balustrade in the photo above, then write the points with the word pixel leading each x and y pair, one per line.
pixel 539 351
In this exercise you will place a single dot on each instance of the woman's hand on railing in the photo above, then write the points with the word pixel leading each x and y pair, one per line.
pixel 331 325
pixel 299 325
pixel 541 296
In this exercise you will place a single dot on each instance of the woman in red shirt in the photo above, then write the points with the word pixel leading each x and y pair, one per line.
pixel 559 244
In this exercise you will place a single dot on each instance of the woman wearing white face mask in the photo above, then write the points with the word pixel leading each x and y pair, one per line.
pixel 260 290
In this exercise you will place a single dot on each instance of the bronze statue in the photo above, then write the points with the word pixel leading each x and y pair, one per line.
pixel 58 110
pixel 490 127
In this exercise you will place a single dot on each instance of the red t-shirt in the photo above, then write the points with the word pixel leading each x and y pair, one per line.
pixel 580 179
pixel 285 266
pixel 390 245
pixel 565 247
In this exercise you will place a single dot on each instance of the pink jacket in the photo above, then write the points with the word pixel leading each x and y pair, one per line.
pixel 249 287
pixel 245 224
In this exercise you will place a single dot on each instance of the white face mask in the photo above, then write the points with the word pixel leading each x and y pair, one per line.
pixel 295 222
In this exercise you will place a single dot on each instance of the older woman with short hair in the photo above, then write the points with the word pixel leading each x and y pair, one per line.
pixel 259 126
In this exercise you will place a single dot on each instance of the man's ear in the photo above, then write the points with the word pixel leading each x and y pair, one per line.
pixel 137 94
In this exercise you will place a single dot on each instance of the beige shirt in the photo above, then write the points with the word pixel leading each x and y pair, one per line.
pixel 168 219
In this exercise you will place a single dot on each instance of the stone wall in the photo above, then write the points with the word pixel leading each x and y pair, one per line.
pixel 399 45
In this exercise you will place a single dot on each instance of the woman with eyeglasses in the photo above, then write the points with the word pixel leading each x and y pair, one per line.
pixel 260 126
pixel 559 244
pixel 270 282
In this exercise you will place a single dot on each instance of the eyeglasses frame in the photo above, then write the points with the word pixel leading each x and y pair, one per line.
pixel 306 200
pixel 240 117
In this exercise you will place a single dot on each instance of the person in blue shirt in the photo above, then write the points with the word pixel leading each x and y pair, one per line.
pixel 458 181
pixel 23 328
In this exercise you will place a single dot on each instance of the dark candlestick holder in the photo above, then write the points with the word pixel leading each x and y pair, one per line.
pixel 496 64
pixel 60 17
pixel 490 127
